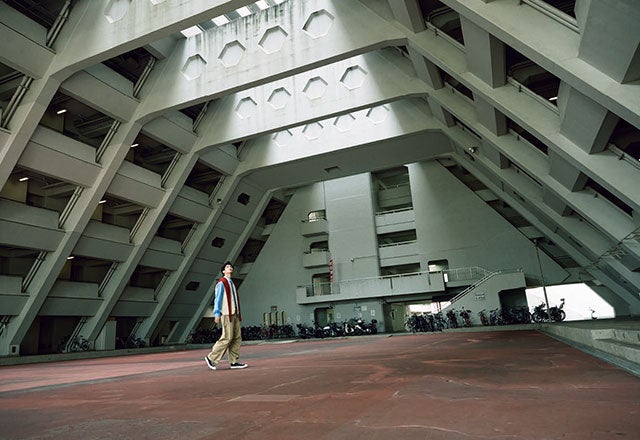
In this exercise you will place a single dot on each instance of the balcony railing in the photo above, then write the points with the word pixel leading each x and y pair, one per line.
pixel 465 274
pixel 400 243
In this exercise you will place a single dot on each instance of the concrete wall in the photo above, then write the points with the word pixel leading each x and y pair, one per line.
pixel 454 224
pixel 451 223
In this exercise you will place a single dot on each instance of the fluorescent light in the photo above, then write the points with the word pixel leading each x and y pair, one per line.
pixel 192 31
pixel 220 20
pixel 23 179
pixel 553 98
pixel 70 257
pixel 134 145
pixel 243 11
pixel 64 110
pixel 102 201
pixel 262 5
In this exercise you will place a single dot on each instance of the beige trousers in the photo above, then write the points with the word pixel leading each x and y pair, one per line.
pixel 231 340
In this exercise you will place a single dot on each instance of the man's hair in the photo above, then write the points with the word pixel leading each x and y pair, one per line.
pixel 225 265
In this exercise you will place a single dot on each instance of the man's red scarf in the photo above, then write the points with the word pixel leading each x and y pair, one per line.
pixel 227 291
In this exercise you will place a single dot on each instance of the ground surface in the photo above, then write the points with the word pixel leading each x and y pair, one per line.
pixel 485 385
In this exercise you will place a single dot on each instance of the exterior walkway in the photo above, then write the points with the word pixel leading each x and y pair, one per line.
pixel 483 385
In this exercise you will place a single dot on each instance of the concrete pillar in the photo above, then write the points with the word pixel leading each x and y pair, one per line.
pixel 565 173
pixel 491 117
pixel 611 38
pixel 106 339
pixel 408 13
pixel 485 54
pixel 554 202
pixel 494 155
pixel 582 120
pixel 425 69
pixel 440 113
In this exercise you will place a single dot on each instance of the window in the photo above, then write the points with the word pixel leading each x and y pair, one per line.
pixel 192 285
pixel 217 242
pixel 244 199
pixel 317 215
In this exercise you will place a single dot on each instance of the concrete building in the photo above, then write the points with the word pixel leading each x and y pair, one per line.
pixel 349 156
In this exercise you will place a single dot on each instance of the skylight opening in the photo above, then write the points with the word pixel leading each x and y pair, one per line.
pixel 243 11
pixel 220 20
pixel 192 31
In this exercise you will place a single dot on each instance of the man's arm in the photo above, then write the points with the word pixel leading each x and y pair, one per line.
pixel 217 301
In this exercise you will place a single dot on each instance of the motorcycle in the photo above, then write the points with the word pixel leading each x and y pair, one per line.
pixel 557 314
pixel 305 332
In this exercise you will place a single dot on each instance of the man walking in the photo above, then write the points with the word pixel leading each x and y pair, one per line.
pixel 226 309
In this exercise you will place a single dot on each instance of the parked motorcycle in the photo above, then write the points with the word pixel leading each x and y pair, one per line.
pixel 305 332
pixel 557 314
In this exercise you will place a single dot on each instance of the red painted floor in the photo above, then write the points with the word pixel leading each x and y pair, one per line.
pixel 486 385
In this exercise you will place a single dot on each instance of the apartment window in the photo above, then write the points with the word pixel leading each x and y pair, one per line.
pixel 438 265
pixel 317 215
pixel 319 246
pixel 397 238
pixel 321 284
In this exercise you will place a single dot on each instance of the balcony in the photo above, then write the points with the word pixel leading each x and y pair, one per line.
pixel 396 253
pixel 312 228
pixel 395 221
pixel 376 287
pixel 316 258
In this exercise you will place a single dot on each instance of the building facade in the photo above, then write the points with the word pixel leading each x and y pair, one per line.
pixel 347 156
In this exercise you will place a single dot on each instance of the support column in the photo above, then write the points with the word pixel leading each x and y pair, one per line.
pixel 486 59
pixel 425 69
pixel 408 13
pixel 142 239
pixel 611 38
pixel 485 54
pixel 24 123
pixel 491 117
pixel 582 120
pixel 565 173
pixel 77 221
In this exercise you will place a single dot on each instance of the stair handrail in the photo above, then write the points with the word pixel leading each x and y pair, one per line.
pixel 481 281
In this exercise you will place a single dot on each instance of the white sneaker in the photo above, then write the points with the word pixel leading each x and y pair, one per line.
pixel 238 365
pixel 210 364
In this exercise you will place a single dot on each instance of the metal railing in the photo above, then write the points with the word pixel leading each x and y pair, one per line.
pixel 527 91
pixel 476 273
pixel 482 281
pixel 554 13
pixel 465 273
pixel 333 288
pixel 623 156
pixel 399 243
pixel 440 33
pixel 394 211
